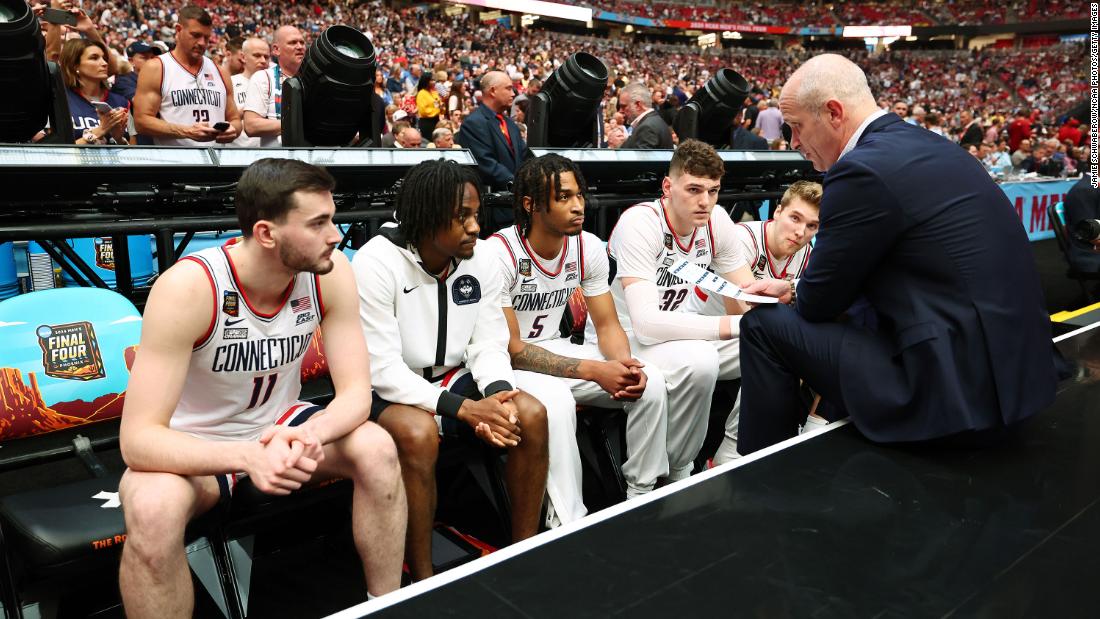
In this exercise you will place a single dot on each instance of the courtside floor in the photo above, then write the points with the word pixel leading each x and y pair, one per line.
pixel 825 525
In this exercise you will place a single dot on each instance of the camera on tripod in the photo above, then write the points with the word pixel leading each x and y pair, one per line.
pixel 1086 230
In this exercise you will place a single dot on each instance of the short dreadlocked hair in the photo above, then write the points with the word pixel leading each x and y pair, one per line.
pixel 430 194
pixel 539 178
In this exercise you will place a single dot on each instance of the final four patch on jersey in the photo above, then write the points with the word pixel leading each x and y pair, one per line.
pixel 668 241
pixel 525 267
pixel 231 303
pixel 466 290
pixel 761 263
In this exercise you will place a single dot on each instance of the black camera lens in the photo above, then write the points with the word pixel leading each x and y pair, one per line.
pixel 1087 230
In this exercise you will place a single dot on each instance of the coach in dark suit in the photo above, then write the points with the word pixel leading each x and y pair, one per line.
pixel 649 130
pixel 498 154
pixel 914 225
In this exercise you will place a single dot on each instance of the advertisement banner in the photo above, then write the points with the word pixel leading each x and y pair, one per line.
pixel 1031 201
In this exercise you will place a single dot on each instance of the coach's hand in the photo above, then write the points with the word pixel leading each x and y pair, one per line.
pixel 614 377
pixel 491 420
pixel 778 288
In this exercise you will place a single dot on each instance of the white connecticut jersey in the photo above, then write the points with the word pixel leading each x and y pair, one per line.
pixel 538 290
pixel 246 370
pixel 240 89
pixel 752 240
pixel 643 245
pixel 187 98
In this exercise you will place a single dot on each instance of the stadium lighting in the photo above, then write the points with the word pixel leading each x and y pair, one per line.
pixel 709 114
pixel 330 100
pixel 35 90
pixel 563 113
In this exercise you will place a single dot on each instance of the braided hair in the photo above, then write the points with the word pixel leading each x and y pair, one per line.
pixel 539 178
pixel 430 195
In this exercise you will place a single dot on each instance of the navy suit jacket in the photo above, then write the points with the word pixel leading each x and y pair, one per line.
pixel 497 162
pixel 912 222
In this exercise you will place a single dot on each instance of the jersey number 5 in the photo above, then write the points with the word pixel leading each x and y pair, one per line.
pixel 537 324
pixel 257 385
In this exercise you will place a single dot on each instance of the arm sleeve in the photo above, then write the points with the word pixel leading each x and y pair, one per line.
pixel 860 220
pixel 487 354
pixel 653 326
pixel 257 94
pixel 636 244
pixel 728 255
pixel 390 376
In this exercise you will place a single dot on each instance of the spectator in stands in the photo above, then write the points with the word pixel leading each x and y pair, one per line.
pixel 443 137
pixel 400 124
pixel 1083 202
pixel 409 137
pixel 138 53
pixel 648 129
pixel 970 129
pixel 901 108
pixel 1070 131
pixel 996 161
pixel 523 100
pixel 932 123
pixel 1021 154
pixel 428 104
pixel 233 60
pixel 457 100
pixel 770 121
pixel 263 108
pixel 84 69
pixel 918 116
pixel 394 82
pixel 198 94
pixel 195 420
pixel 491 135
pixel 1042 160
pixel 1018 130
pixel 257 55
pixel 743 139
pixel 427 276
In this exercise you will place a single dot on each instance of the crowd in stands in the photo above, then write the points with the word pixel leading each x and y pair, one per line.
pixel 853 12
pixel 453 52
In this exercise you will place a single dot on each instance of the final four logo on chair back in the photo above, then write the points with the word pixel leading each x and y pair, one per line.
pixel 70 351
pixel 105 253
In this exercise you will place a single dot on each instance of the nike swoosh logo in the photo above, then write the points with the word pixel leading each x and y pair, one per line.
pixel 230 323
pixel 528 281
pixel 408 290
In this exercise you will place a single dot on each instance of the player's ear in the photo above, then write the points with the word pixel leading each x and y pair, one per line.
pixel 528 204
pixel 666 186
pixel 263 233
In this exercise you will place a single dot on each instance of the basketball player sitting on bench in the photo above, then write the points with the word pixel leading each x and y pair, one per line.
pixel 544 258
pixel 213 395
pixel 429 302
pixel 692 351
pixel 777 249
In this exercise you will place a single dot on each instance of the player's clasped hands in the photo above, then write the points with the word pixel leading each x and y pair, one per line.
pixel 493 419
pixel 287 459
pixel 624 380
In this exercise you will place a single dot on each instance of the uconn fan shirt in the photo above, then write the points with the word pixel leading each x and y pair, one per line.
pixel 84 115
pixel 187 98
pixel 246 369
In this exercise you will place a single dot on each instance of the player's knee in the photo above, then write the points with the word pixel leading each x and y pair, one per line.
pixel 703 364
pixel 156 507
pixel 416 437
pixel 374 452
pixel 532 416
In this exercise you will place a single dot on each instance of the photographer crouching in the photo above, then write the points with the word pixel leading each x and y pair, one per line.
pixel 1082 216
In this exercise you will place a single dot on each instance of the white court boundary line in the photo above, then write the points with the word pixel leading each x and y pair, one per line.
pixel 477 565
pixel 1065 336
pixel 439 580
